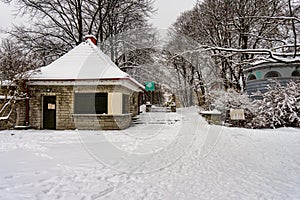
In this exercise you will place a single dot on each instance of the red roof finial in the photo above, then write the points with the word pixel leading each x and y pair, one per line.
pixel 92 38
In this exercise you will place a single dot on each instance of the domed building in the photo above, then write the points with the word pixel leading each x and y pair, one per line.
pixel 262 74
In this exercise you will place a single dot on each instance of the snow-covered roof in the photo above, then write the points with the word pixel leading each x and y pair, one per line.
pixel 85 61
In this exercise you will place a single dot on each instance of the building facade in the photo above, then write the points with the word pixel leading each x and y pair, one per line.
pixel 260 75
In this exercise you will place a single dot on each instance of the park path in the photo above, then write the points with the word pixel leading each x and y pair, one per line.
pixel 165 156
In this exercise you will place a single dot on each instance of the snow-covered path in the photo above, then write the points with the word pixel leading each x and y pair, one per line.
pixel 166 156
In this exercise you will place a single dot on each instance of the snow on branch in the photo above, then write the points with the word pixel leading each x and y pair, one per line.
pixel 269 17
pixel 280 57
pixel 267 39
pixel 5 107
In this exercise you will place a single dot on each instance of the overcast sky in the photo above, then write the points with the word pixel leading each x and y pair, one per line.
pixel 5 15
pixel 167 12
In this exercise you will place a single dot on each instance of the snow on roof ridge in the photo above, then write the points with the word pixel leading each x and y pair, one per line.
pixel 103 56
pixel 108 61
pixel 89 35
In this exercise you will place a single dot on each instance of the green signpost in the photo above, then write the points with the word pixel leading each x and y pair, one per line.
pixel 150 86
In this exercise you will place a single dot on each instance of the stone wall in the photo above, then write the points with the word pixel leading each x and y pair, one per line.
pixel 20 113
pixel 262 85
pixel 17 117
pixel 134 103
pixel 6 124
pixel 102 122
pixel 64 106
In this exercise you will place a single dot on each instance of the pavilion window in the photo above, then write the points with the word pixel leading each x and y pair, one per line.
pixel 273 74
pixel 125 103
pixel 90 103
pixel 296 73
pixel 251 77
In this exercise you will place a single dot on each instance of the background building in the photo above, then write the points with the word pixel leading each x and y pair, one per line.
pixel 262 74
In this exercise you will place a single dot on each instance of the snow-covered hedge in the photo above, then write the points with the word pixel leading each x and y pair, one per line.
pixel 225 100
pixel 280 107
pixel 230 99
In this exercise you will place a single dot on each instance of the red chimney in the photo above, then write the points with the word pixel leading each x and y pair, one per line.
pixel 92 38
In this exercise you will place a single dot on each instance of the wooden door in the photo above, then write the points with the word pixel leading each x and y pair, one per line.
pixel 49 112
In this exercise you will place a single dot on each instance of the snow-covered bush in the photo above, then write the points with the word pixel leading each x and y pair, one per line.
pixel 230 99
pixel 280 107
pixel 224 100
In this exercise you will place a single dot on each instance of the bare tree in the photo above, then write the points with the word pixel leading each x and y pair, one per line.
pixel 58 25
pixel 15 65
pixel 14 62
pixel 236 33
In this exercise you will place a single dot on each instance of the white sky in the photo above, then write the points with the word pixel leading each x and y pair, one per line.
pixel 169 10
pixel 6 17
pixel 166 14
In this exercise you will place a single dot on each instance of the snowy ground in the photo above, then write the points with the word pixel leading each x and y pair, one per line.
pixel 163 156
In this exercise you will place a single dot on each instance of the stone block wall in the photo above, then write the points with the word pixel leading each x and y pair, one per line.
pixel 134 103
pixel 17 117
pixel 102 122
pixel 7 124
pixel 20 110
pixel 64 106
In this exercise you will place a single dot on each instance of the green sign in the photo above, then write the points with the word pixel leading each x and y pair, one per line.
pixel 150 86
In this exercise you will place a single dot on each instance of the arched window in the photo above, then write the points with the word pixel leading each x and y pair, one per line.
pixel 296 73
pixel 251 77
pixel 272 74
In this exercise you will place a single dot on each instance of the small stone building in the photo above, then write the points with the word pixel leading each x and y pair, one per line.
pixel 83 89
pixel 262 74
